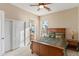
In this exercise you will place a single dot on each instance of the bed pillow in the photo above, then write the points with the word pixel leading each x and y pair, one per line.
pixel 59 35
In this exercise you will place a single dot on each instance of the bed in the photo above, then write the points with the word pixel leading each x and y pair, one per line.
pixel 51 45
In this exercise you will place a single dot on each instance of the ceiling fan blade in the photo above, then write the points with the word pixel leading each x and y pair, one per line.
pixel 38 9
pixel 47 8
pixel 47 3
pixel 34 5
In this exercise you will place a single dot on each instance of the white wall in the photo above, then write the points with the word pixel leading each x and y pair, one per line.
pixel 78 21
pixel 64 19
pixel 15 13
pixel 27 33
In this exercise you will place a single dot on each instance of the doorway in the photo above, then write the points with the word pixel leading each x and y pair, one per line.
pixel 8 35
pixel 17 34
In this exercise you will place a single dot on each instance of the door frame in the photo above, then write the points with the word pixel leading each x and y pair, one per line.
pixel 2 38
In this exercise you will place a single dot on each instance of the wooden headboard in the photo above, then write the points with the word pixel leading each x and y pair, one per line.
pixel 57 30
pixel 61 30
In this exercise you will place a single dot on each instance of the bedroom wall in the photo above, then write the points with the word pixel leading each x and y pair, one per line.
pixel 14 13
pixel 78 21
pixel 66 18
pixel 63 19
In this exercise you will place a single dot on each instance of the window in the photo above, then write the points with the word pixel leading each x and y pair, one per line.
pixel 44 28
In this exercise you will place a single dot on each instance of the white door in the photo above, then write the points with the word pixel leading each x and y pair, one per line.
pixel 18 34
pixel 1 32
pixel 8 35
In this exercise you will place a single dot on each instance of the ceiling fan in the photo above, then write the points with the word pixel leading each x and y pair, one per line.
pixel 42 5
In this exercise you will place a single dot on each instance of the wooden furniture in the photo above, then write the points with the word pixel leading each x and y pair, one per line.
pixel 62 30
pixel 72 44
pixel 46 49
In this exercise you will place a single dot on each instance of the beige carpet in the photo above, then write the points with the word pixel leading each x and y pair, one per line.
pixel 25 51
pixel 72 53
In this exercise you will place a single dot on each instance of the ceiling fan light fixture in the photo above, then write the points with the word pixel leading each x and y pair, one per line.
pixel 41 6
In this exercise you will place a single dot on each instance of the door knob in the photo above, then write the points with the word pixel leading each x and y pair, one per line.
pixel 2 38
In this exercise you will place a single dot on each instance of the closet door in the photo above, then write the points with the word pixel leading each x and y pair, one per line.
pixel 8 35
pixel 1 32
pixel 18 34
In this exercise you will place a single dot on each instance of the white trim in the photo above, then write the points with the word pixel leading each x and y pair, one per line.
pixel 2 38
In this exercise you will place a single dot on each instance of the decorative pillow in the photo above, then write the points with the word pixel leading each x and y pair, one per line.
pixel 59 35
pixel 51 34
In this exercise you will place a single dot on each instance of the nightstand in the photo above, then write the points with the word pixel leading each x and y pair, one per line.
pixel 72 44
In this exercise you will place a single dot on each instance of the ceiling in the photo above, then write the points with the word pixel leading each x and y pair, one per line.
pixel 55 7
